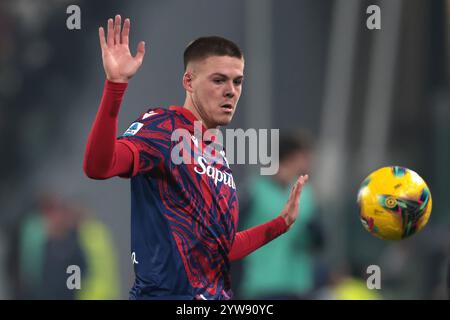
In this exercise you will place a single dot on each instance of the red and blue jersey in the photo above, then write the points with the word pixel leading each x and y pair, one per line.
pixel 183 213
pixel 183 216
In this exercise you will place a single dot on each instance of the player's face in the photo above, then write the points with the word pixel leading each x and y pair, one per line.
pixel 215 89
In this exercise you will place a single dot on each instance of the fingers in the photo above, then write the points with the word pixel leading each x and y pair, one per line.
pixel 110 35
pixel 303 179
pixel 126 31
pixel 117 36
pixel 297 188
pixel 117 25
pixel 293 191
pixel 300 183
pixel 101 35
pixel 140 52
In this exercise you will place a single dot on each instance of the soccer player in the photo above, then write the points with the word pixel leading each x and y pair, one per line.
pixel 183 216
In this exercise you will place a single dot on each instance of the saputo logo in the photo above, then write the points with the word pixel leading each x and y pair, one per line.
pixel 217 175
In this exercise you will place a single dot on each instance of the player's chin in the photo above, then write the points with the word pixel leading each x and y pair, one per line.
pixel 224 120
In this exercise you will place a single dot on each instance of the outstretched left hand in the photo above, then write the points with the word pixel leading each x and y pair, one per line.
pixel 290 210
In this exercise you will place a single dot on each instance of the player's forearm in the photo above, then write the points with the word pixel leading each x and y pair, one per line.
pixel 249 240
pixel 101 154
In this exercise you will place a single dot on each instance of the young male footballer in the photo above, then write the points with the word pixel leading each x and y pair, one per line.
pixel 183 216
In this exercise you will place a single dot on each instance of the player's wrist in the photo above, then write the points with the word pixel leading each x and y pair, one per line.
pixel 115 87
pixel 117 80
pixel 288 220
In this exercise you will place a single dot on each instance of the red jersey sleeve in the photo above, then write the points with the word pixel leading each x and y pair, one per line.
pixel 105 157
pixel 251 239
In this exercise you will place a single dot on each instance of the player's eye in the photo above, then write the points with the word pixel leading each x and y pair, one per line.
pixel 238 82
pixel 219 81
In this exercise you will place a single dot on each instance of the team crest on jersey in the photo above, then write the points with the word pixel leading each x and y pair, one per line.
pixel 133 129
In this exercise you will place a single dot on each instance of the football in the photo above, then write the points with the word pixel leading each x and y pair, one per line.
pixel 394 203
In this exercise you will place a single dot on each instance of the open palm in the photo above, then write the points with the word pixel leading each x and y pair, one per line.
pixel 291 209
pixel 118 62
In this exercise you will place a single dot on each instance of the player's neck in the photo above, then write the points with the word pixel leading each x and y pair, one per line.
pixel 189 105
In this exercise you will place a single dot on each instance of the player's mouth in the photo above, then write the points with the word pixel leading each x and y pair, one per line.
pixel 227 107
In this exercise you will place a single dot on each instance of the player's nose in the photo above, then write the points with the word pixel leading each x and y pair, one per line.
pixel 230 91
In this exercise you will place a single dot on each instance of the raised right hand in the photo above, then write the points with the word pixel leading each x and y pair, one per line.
pixel 118 62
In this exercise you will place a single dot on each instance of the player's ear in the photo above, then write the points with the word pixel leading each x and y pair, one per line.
pixel 187 81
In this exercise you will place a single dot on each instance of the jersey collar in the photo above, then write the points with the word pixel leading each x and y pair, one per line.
pixel 187 114
pixel 190 116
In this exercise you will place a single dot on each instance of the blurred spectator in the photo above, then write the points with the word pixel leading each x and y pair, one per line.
pixel 283 269
pixel 348 288
pixel 348 281
pixel 50 239
pixel 354 289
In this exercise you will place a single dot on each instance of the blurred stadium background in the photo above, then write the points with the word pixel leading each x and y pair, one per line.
pixel 369 98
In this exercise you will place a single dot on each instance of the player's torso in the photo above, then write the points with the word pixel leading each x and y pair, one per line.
pixel 193 206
